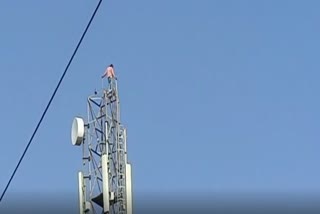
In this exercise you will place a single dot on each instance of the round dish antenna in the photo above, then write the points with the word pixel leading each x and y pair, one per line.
pixel 77 132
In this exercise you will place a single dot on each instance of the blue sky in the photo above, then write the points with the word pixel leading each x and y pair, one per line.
pixel 217 96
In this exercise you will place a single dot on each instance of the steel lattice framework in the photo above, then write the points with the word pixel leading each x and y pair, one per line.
pixel 105 182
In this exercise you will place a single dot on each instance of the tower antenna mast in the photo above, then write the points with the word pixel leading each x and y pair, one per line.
pixel 105 184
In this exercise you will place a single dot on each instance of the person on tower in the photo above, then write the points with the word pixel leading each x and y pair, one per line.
pixel 109 72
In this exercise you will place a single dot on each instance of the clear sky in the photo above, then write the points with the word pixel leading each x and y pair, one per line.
pixel 218 96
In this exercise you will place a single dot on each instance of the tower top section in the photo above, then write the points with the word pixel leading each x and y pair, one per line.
pixel 105 181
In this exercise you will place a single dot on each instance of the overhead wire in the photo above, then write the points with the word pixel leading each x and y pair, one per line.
pixel 51 99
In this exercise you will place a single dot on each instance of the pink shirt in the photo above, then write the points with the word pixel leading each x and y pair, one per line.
pixel 110 72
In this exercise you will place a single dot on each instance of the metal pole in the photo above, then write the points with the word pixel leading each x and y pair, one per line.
pixel 81 193
pixel 105 175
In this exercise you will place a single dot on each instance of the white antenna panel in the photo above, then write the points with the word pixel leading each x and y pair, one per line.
pixel 77 132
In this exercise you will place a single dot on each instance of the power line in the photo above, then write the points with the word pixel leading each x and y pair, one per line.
pixel 53 95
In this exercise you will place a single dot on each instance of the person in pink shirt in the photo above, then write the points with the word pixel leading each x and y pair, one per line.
pixel 109 73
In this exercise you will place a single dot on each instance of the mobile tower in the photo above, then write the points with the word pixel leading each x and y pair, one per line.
pixel 105 180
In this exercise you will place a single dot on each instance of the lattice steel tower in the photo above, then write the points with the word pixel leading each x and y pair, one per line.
pixel 105 181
